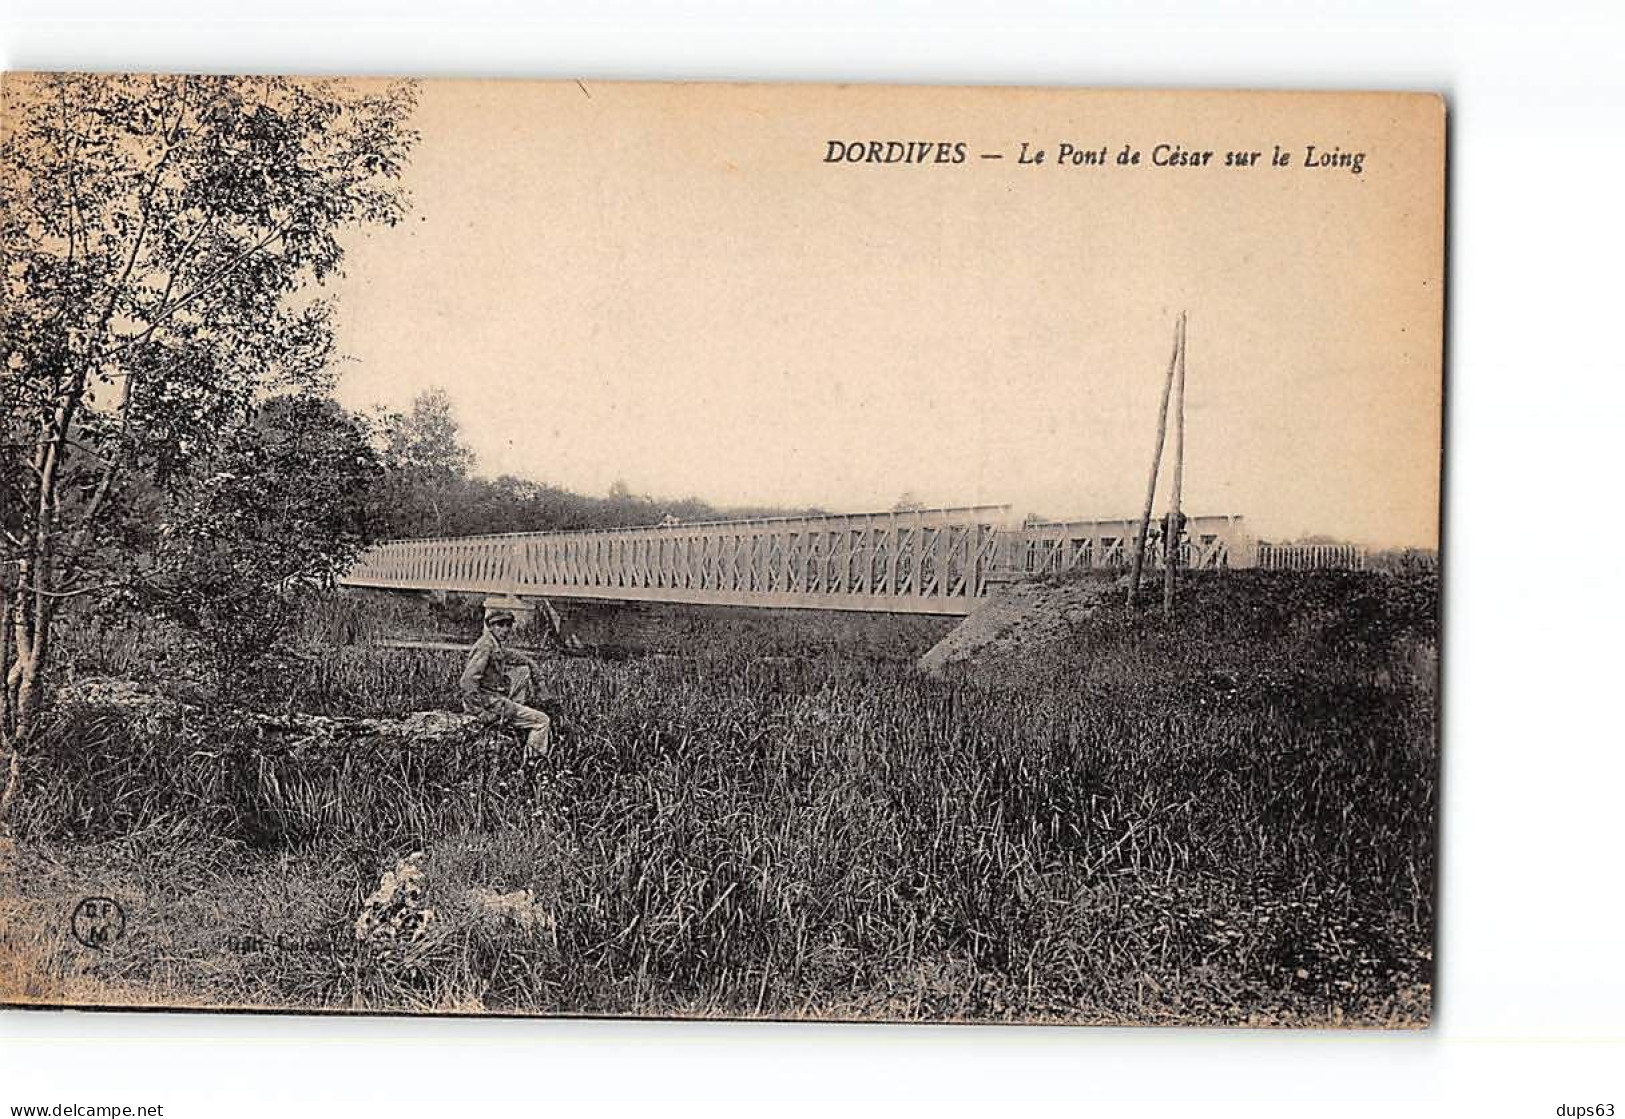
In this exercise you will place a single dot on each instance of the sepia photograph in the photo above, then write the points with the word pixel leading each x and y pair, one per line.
pixel 848 553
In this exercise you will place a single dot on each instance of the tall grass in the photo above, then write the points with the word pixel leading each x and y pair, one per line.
pixel 1229 820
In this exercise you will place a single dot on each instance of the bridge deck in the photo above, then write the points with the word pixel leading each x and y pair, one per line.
pixel 932 561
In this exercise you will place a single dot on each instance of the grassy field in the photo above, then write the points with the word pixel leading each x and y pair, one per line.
pixel 1228 821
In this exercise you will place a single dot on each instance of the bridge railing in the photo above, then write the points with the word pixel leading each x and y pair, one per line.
pixel 1311 557
pixel 938 561
pixel 1208 542
pixel 924 561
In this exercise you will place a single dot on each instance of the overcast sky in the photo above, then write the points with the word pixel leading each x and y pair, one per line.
pixel 671 287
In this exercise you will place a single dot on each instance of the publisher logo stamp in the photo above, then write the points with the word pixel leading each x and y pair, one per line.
pixel 98 922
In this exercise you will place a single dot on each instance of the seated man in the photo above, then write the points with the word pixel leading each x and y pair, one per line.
pixel 499 683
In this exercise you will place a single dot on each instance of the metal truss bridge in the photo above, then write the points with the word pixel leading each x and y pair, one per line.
pixel 929 561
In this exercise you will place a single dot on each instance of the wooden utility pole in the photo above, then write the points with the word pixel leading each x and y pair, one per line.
pixel 1170 535
pixel 1156 462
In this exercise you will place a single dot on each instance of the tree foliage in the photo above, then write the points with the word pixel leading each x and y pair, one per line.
pixel 162 242
pixel 278 505
pixel 429 488
pixel 425 464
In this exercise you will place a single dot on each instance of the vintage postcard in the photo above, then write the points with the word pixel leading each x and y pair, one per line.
pixel 789 552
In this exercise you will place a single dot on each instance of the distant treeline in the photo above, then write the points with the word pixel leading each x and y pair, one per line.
pixel 427 487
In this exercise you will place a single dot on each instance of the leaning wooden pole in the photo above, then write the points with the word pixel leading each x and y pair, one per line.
pixel 1170 535
pixel 1156 461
